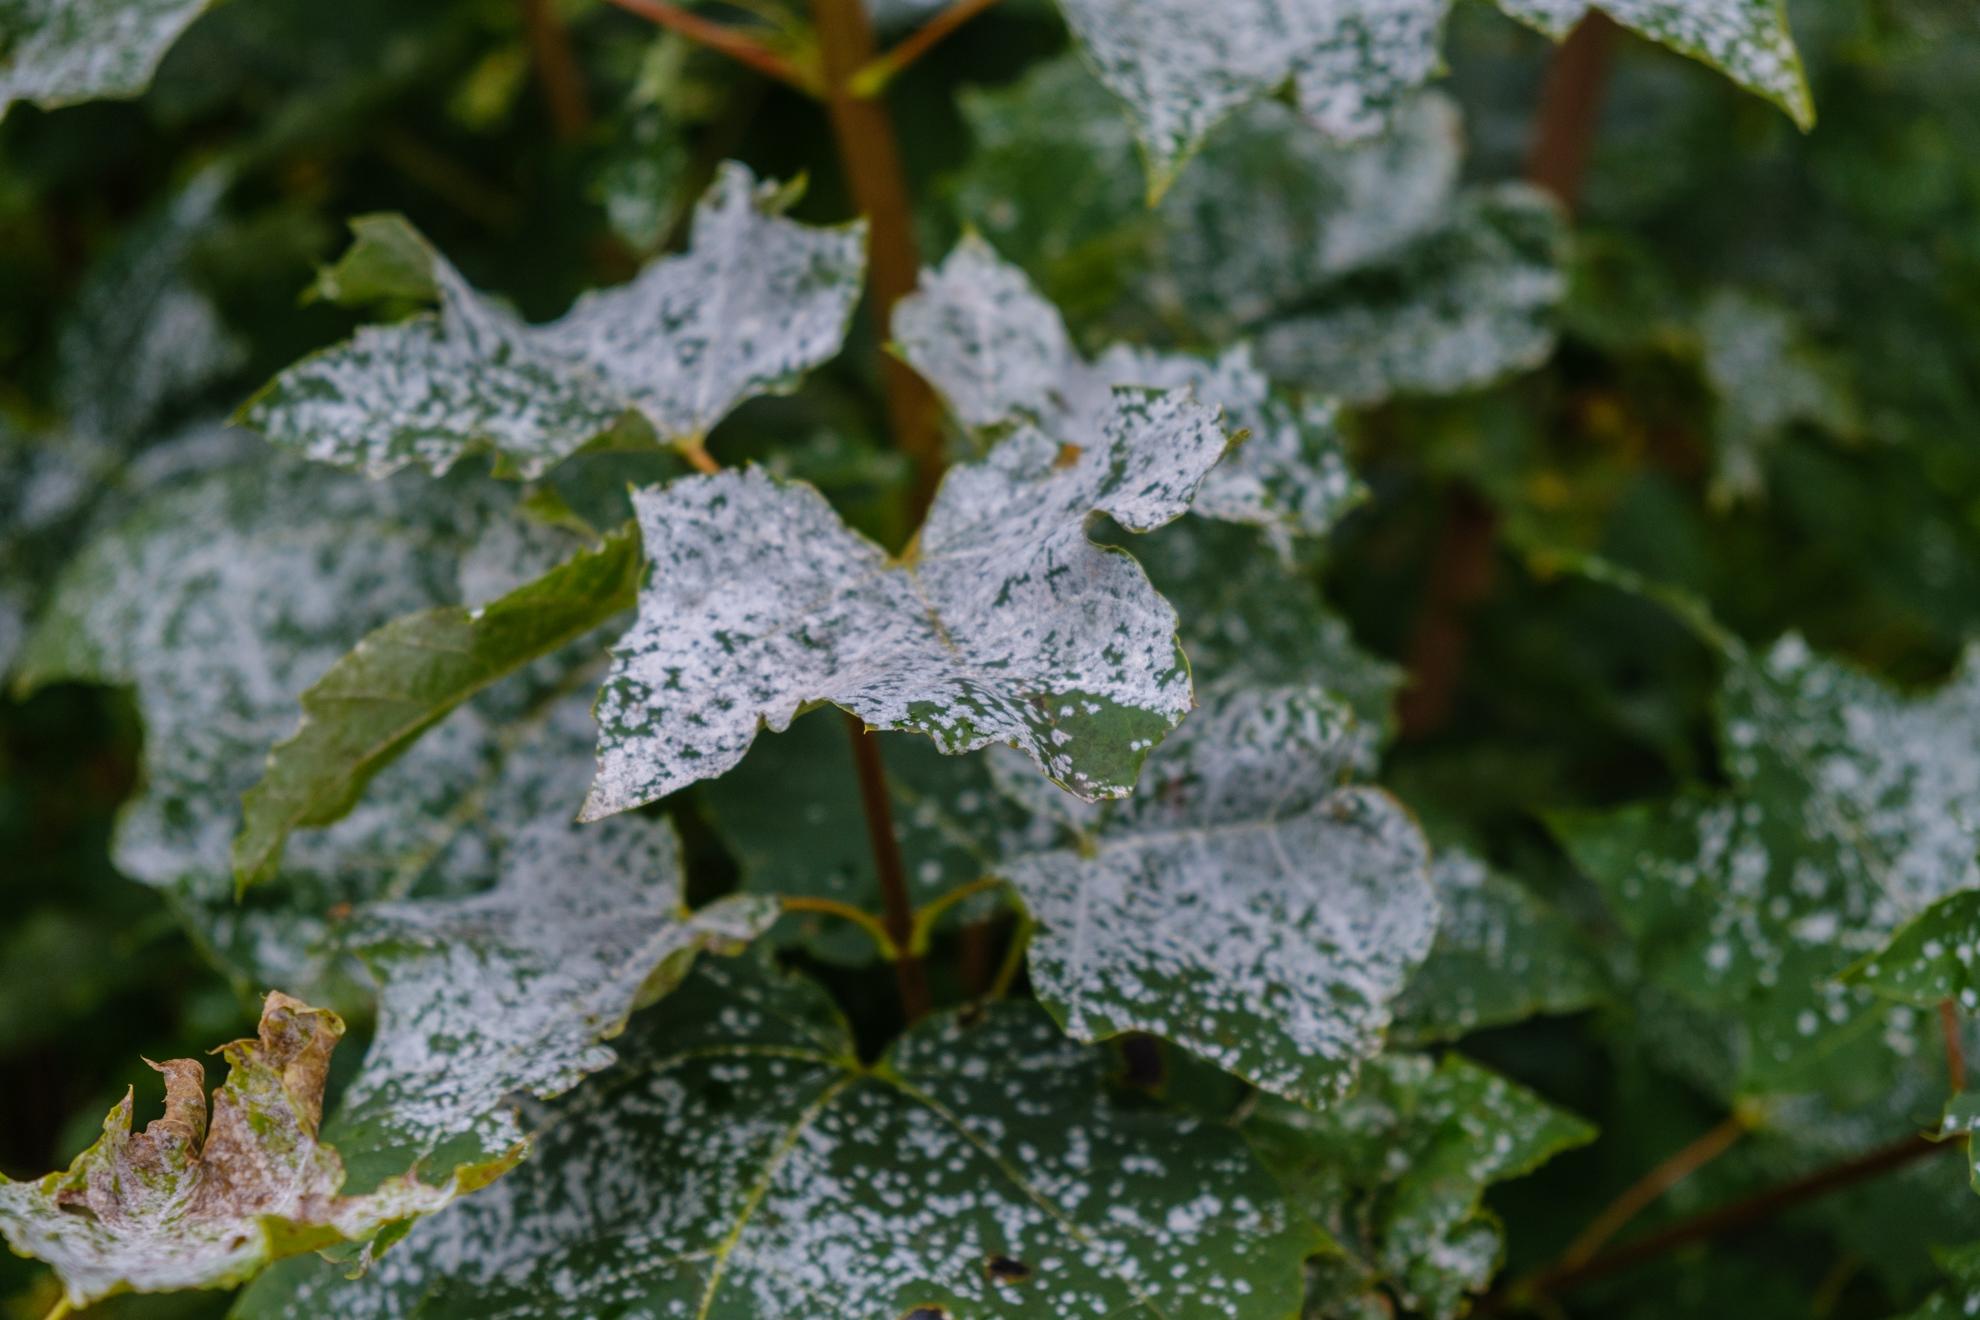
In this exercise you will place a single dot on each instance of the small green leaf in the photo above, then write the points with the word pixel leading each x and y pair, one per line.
pixel 1933 958
pixel 60 52
pixel 403 678
pixel 189 1203
pixel 1003 623
pixel 1398 1170
pixel 754 303
pixel 740 1161
pixel 1241 904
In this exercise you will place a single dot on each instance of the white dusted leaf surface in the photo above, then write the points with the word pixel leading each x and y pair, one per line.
pixel 740 1162
pixel 754 303
pixel 59 52
pixel 1000 354
pixel 207 1202
pixel 1003 623
pixel 513 990
pixel 1241 904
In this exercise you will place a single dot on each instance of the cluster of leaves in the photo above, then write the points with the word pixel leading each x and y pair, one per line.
pixel 481 610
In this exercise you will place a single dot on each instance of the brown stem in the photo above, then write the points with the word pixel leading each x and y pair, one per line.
pixel 1739 1216
pixel 1644 1191
pixel 723 38
pixel 557 69
pixel 1570 104
pixel 1461 576
pixel 871 159
pixel 887 862
pixel 1955 1050
pixel 873 78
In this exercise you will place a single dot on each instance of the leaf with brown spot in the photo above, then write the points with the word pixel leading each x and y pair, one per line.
pixel 193 1203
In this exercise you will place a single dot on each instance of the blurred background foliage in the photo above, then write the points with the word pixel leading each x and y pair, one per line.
pixel 1765 392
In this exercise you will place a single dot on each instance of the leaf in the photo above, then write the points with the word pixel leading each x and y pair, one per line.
pixel 60 52
pixel 1002 623
pixel 1747 40
pixel 1962 1297
pixel 742 1162
pixel 1182 68
pixel 1000 354
pixel 754 303
pixel 791 816
pixel 1768 378
pixel 1502 955
pixel 1933 958
pixel 1241 904
pixel 223 596
pixel 510 991
pixel 1470 303
pixel 1399 1168
pixel 185 1204
pixel 404 677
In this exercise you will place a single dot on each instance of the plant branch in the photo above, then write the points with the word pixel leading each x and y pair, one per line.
pixel 831 907
pixel 925 919
pixel 1014 956
pixel 1739 1216
pixel 887 863
pixel 1570 105
pixel 1639 1196
pixel 724 39
pixel 1955 1051
pixel 873 77
pixel 871 159
pixel 557 69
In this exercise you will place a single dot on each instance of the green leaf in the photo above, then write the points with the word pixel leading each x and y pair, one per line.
pixel 754 303
pixel 791 816
pixel 1000 354
pixel 1002 623
pixel 1768 378
pixel 1399 1168
pixel 1962 1298
pixel 1241 904
pixel 1932 958
pixel 742 1162
pixel 1502 955
pixel 192 1204
pixel 60 52
pixel 1747 40
pixel 1468 304
pixel 403 678
pixel 510 991
pixel 221 598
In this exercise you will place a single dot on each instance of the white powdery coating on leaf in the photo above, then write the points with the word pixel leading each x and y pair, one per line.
pixel 1239 904
pixel 1747 40
pixel 754 303
pixel 1182 66
pixel 59 52
pixel 999 353
pixel 514 990
pixel 1006 624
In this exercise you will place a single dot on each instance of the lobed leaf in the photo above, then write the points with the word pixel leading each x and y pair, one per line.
pixel 754 303
pixel 1242 904
pixel 1002 623
pixel 189 1203
pixel 1001 356
pixel 742 1162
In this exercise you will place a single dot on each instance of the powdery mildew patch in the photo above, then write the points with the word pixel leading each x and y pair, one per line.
pixel 754 303
pixel 60 52
pixel 1003 623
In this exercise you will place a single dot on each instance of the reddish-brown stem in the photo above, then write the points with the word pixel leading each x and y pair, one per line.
pixel 1641 1194
pixel 1955 1050
pixel 873 77
pixel 887 862
pixel 723 38
pixel 557 69
pixel 1461 575
pixel 1736 1217
pixel 871 159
